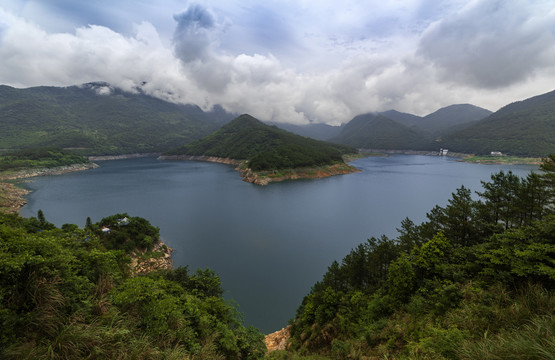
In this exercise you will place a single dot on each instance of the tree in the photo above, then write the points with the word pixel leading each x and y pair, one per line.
pixel 88 223
pixel 409 235
pixel 40 216
pixel 501 195
pixel 548 177
pixel 459 218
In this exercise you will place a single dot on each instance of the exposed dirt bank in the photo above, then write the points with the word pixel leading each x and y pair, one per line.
pixel 159 258
pixel 266 177
pixel 12 197
pixel 278 339
pixel 417 152
pixel 215 159
pixel 121 157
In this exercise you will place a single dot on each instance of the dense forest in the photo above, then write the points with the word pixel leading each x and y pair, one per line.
pixel 70 293
pixel 97 119
pixel 39 158
pixel 100 119
pixel 374 131
pixel 474 281
pixel 524 128
pixel 265 147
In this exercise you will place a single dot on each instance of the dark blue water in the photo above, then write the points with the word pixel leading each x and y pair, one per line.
pixel 268 244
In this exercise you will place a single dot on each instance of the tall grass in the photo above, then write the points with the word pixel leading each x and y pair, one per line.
pixel 534 340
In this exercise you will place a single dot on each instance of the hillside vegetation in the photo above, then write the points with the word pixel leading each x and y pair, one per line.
pixel 524 128
pixel 265 147
pixel 99 119
pixel 38 158
pixel 474 281
pixel 451 117
pixel 69 293
pixel 373 131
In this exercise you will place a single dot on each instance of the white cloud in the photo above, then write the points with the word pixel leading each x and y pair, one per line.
pixel 407 56
pixel 492 44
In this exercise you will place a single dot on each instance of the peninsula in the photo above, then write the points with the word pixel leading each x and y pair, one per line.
pixel 264 153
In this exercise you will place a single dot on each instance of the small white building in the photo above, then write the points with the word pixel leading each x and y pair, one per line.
pixel 496 153
pixel 443 152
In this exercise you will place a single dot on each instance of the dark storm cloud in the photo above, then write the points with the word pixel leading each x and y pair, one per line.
pixel 192 35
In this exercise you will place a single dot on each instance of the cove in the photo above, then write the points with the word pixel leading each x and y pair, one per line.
pixel 268 244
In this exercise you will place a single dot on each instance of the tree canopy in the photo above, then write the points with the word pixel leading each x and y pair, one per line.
pixel 474 267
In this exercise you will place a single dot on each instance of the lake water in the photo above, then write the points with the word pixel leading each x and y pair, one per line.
pixel 268 244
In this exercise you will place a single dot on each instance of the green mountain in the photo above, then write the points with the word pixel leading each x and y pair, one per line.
pixel 525 128
pixel 406 119
pixel 440 121
pixel 265 147
pixel 315 131
pixel 374 131
pixel 446 118
pixel 99 119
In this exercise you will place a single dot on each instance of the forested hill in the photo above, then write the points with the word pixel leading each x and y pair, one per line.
pixel 99 119
pixel 74 293
pixel 525 128
pixel 265 147
pixel 476 280
pixel 374 131
pixel 450 117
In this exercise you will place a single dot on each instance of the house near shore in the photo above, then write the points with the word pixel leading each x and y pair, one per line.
pixel 443 152
pixel 496 153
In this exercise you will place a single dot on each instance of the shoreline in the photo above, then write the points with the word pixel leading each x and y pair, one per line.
pixel 121 157
pixel 264 178
pixel 12 197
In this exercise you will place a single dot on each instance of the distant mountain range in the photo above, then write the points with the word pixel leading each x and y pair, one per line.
pixel 100 119
pixel 415 130
pixel 524 128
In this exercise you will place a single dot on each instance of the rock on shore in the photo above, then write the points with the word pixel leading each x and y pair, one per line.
pixel 12 198
pixel 278 340
pixel 59 170
pixel 143 262
pixel 266 177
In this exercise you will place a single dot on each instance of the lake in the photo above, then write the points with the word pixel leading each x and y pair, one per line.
pixel 268 244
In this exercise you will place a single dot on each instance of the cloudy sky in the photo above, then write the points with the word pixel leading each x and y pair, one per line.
pixel 298 61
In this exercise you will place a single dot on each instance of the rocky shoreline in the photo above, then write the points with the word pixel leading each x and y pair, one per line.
pixel 59 170
pixel 266 177
pixel 121 157
pixel 159 258
pixel 417 152
pixel 214 159
pixel 12 197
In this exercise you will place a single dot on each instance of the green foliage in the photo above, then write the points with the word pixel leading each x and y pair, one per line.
pixel 460 285
pixel 67 294
pixel 80 117
pixel 373 131
pixel 122 232
pixel 39 158
pixel 523 128
pixel 265 147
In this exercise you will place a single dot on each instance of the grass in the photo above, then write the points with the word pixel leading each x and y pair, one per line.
pixel 506 160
